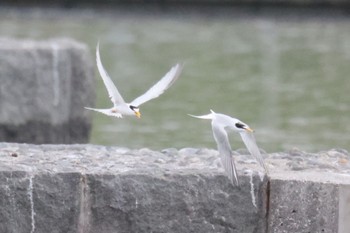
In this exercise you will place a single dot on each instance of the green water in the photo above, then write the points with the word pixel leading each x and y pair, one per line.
pixel 288 78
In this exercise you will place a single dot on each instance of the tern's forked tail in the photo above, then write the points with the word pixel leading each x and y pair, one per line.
pixel 209 116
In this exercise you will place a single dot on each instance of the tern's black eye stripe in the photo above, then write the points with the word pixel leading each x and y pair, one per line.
pixel 132 107
pixel 240 126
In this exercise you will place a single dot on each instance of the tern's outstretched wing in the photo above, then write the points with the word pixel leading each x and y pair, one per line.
pixel 224 149
pixel 159 88
pixel 111 88
pixel 249 141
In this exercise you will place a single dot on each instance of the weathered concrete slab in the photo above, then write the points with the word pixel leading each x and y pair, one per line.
pixel 174 203
pixel 303 206
pixel 306 204
pixel 87 188
pixel 310 194
pixel 44 87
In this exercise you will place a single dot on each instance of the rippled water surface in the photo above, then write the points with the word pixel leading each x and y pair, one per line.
pixel 288 78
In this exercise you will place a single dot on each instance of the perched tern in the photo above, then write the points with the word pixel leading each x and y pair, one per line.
pixel 120 107
pixel 221 124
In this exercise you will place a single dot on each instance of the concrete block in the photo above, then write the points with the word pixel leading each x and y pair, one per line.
pixel 168 202
pixel 85 188
pixel 310 193
pixel 44 87
pixel 303 206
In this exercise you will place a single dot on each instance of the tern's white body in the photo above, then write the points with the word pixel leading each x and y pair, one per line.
pixel 221 124
pixel 120 107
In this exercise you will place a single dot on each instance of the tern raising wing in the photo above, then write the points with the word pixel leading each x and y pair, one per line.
pixel 120 107
pixel 111 88
pixel 159 88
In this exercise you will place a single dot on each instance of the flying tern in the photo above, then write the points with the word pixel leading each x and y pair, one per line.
pixel 221 125
pixel 120 107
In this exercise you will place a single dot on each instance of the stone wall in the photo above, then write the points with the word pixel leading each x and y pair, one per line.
pixel 87 188
pixel 44 88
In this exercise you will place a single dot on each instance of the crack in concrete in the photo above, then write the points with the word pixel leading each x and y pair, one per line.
pixel 85 210
pixel 32 211
pixel 267 215
pixel 252 190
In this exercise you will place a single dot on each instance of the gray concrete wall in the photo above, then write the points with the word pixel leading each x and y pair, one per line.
pixel 44 88
pixel 87 188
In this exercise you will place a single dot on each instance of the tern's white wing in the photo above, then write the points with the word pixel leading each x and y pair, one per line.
pixel 249 141
pixel 224 149
pixel 159 88
pixel 111 88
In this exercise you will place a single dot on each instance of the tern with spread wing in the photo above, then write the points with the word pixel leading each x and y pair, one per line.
pixel 221 125
pixel 120 107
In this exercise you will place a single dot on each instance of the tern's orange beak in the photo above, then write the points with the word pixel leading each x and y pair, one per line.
pixel 249 129
pixel 138 114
